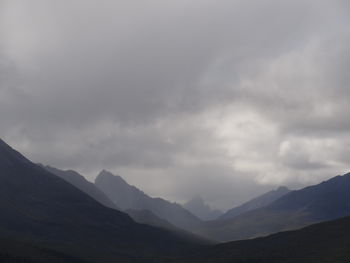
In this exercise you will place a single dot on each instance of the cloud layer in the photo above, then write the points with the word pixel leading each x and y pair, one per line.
pixel 222 98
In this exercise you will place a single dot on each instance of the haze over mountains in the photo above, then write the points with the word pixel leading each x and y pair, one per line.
pixel 128 197
pixel 197 207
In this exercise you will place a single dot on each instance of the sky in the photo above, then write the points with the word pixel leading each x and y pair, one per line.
pixel 222 98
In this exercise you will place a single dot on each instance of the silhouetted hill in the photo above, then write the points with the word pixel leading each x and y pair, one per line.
pixel 42 209
pixel 128 197
pixel 197 207
pixel 326 201
pixel 258 202
pixel 327 242
pixel 82 184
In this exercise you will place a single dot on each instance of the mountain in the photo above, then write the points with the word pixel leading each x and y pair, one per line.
pixel 128 197
pixel 82 184
pixel 326 201
pixel 139 216
pixel 43 210
pixel 327 242
pixel 197 207
pixel 258 202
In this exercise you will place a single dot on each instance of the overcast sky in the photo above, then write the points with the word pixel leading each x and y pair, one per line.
pixel 226 99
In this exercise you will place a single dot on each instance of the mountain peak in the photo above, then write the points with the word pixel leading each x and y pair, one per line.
pixel 9 156
pixel 105 175
pixel 129 197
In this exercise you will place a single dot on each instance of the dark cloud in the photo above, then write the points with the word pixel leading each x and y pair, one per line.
pixel 180 96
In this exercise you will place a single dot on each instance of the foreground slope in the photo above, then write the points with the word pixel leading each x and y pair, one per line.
pixel 46 211
pixel 327 242
pixel 129 197
pixel 12 251
pixel 325 201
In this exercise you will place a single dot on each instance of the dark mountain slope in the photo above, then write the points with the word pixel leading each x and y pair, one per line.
pixel 258 202
pixel 19 252
pixel 327 242
pixel 200 209
pixel 84 185
pixel 127 197
pixel 44 210
pixel 326 201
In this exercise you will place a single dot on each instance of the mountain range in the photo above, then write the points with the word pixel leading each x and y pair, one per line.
pixel 45 218
pixel 128 197
pixel 325 201
pixel 140 216
pixel 258 202
pixel 40 209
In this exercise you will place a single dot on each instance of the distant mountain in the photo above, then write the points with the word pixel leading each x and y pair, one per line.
pixel 82 184
pixel 258 202
pixel 326 201
pixel 197 207
pixel 43 210
pixel 140 216
pixel 327 242
pixel 128 197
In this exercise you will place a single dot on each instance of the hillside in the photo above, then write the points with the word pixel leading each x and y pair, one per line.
pixel 258 202
pixel 327 242
pixel 322 202
pixel 129 197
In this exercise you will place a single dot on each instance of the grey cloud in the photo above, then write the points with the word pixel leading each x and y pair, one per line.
pixel 179 91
